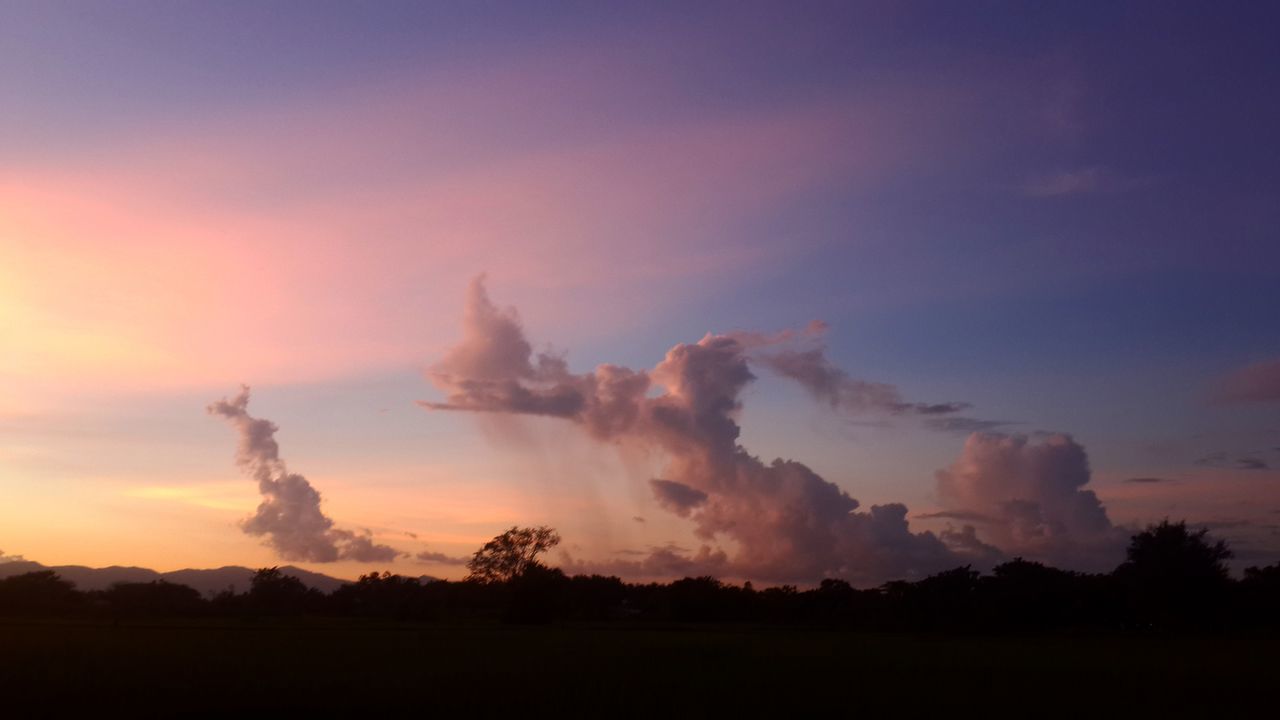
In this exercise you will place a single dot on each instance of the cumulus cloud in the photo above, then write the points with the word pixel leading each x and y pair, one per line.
pixel 966 542
pixel 494 369
pixel 1256 383
pixel 677 497
pixel 783 522
pixel 1033 497
pixel 289 516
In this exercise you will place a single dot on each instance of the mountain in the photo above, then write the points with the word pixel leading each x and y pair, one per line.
pixel 237 579
pixel 207 581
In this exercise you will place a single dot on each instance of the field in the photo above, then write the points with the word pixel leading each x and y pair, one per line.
pixel 157 669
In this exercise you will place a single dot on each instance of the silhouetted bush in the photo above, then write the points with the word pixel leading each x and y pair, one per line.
pixel 271 592
pixel 539 594
pixel 1258 596
pixel 39 593
pixel 1025 595
pixel 382 596
pixel 159 598
pixel 596 597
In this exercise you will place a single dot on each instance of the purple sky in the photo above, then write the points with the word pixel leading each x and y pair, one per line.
pixel 1065 217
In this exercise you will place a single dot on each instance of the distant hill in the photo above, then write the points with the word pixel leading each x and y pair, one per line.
pixel 208 581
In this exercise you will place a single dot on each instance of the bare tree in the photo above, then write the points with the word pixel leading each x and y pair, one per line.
pixel 510 554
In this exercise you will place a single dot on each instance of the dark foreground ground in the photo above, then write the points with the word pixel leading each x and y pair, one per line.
pixel 216 667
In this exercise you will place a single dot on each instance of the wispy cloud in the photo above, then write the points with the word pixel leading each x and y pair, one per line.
pixel 1096 179
pixel 439 558
pixel 964 425
pixel 1255 383
pixel 1221 459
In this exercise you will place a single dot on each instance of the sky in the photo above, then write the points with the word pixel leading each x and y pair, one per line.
pixel 1042 244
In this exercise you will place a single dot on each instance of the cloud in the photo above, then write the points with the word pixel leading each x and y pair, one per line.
pixel 360 547
pixel 1217 458
pixel 783 522
pixel 1251 463
pixel 439 558
pixel 1220 459
pixel 1224 524
pixel 1033 493
pixel 1259 382
pixel 965 542
pixel 657 563
pixel 963 425
pixel 1083 181
pixel 832 385
pixel 677 497
pixel 289 516
pixel 1147 480
pixel 493 369
pixel 965 515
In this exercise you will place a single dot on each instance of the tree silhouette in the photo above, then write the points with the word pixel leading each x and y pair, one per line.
pixel 511 554
pixel 157 598
pixel 1021 594
pixel 1174 576
pixel 38 593
pixel 381 595
pixel 1259 595
pixel 274 593
pixel 536 595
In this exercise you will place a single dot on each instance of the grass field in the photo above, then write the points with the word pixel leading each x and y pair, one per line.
pixel 158 669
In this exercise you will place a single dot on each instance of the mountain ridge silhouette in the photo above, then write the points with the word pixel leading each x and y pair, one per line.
pixel 208 581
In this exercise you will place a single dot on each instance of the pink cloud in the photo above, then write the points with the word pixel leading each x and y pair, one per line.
pixel 1028 498
pixel 290 517
pixel 780 520
pixel 1259 382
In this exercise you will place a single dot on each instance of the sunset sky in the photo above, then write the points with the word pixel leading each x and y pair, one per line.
pixel 1055 227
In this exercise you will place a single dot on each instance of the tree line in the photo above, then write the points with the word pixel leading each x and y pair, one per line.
pixel 1173 578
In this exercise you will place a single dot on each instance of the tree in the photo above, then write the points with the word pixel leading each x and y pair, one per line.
pixel 1021 594
pixel 273 592
pixel 1175 576
pixel 156 598
pixel 1170 554
pixel 41 592
pixel 511 554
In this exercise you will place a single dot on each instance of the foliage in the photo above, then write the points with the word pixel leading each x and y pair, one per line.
pixel 271 592
pixel 1175 577
pixel 511 554
pixel 153 599
pixel 38 593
